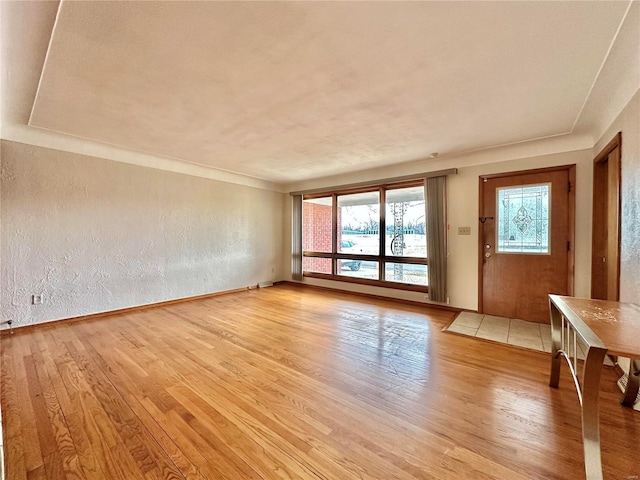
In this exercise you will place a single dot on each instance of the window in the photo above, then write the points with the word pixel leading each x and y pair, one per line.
pixel 523 219
pixel 316 224
pixel 375 236
pixel 316 233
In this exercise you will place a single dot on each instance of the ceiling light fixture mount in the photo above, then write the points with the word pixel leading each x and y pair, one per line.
pixel 434 155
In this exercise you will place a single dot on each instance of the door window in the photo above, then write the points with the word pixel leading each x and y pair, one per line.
pixel 523 220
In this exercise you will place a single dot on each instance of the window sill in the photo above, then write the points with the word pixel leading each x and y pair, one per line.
pixel 369 282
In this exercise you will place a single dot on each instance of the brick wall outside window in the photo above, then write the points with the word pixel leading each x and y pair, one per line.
pixel 316 235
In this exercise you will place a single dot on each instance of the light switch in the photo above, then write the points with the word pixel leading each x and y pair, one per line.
pixel 464 230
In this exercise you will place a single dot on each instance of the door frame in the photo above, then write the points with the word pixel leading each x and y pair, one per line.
pixel 572 223
pixel 612 215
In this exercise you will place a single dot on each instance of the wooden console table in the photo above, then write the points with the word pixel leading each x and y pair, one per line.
pixel 603 327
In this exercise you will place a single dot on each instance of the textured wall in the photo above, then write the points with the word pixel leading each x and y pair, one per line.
pixel 628 122
pixel 94 235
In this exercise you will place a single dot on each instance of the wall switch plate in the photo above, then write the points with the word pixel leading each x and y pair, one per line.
pixel 464 230
pixel 36 299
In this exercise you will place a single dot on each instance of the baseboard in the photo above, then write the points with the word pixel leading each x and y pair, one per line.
pixel 438 306
pixel 119 311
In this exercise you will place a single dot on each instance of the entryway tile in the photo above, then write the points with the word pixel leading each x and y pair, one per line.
pixel 525 334
pixel 526 342
pixel 494 328
pixel 545 333
pixel 494 324
pixel 454 327
pixel 496 336
pixel 511 331
pixel 523 327
pixel 469 319
pixel 503 330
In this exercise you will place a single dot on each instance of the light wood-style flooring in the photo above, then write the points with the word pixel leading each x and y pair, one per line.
pixel 291 382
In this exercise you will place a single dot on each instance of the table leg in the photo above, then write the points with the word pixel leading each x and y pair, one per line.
pixel 556 345
pixel 590 416
pixel 633 384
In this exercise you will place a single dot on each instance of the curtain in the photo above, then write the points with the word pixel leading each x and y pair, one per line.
pixel 296 237
pixel 436 226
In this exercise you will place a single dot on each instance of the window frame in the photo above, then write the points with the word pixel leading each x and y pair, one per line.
pixel 382 258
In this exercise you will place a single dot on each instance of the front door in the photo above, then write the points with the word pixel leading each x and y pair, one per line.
pixel 526 225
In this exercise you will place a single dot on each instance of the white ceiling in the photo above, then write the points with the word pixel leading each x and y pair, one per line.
pixel 290 91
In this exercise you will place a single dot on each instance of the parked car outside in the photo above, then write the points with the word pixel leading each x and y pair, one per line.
pixel 348 246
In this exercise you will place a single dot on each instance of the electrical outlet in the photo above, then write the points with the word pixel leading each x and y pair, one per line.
pixel 37 299
pixel 464 230
pixel 273 269
pixel 9 323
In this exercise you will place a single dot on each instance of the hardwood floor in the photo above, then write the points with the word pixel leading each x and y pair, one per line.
pixel 292 382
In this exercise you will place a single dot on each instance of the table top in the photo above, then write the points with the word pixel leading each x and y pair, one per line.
pixel 616 324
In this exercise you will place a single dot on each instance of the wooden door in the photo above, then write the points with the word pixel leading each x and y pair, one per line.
pixel 526 229
pixel 605 246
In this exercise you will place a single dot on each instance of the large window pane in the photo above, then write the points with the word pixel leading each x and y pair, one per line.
pixel 316 265
pixel 316 225
pixel 406 273
pixel 359 223
pixel 523 219
pixel 358 269
pixel 404 216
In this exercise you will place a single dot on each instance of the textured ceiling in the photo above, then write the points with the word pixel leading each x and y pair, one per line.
pixel 288 91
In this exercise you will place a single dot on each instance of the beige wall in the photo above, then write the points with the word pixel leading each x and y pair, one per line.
pixel 94 235
pixel 462 269
pixel 628 122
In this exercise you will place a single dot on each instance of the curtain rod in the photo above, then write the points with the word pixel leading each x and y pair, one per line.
pixel 371 183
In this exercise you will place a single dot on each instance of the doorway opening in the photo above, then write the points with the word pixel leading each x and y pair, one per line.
pixel 605 246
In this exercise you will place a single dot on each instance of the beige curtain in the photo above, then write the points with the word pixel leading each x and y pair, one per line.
pixel 436 226
pixel 296 237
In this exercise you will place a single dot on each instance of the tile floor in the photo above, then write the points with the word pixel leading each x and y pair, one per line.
pixel 532 335
pixel 512 331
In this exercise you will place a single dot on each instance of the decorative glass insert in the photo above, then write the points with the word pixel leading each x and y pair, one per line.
pixel 523 220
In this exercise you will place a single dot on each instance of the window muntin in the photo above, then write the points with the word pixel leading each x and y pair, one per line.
pixel 523 219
